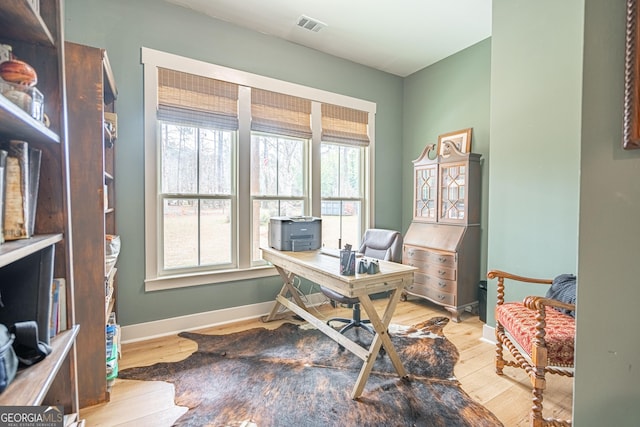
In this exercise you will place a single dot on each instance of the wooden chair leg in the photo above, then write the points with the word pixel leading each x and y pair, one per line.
pixel 499 349
pixel 536 411
pixel 539 383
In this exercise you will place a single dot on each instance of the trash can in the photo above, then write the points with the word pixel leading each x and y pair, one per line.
pixel 482 300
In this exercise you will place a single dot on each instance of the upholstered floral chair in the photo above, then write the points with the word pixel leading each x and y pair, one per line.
pixel 539 332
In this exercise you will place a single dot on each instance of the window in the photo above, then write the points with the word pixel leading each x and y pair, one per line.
pixel 226 150
pixel 343 181
pixel 197 124
pixel 280 138
pixel 197 196
pixel 278 182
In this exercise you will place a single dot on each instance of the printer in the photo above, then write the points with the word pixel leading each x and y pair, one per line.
pixel 295 233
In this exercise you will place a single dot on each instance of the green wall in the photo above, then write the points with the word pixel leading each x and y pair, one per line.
pixel 450 95
pixel 608 347
pixel 536 78
pixel 123 27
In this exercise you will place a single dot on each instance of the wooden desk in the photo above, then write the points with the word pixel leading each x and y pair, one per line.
pixel 325 270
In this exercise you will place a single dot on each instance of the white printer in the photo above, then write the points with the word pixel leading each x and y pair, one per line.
pixel 295 233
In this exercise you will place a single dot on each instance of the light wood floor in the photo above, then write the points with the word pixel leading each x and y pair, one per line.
pixel 150 403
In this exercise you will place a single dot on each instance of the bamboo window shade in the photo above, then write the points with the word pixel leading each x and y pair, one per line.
pixel 281 114
pixel 345 125
pixel 196 100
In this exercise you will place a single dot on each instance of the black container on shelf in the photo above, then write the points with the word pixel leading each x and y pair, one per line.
pixel 25 289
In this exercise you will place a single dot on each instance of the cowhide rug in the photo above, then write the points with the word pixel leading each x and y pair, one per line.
pixel 292 376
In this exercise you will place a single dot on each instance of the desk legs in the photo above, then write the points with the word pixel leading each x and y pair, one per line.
pixel 287 278
pixel 381 327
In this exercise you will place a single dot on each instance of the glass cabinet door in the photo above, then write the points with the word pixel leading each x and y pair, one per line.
pixel 453 187
pixel 425 193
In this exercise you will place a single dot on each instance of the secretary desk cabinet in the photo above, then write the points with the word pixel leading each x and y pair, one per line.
pixel 37 38
pixel 443 240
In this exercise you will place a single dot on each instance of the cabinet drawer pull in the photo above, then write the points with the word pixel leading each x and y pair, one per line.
pixel 442 284
pixel 441 272
pixel 441 297
pixel 442 259
pixel 410 252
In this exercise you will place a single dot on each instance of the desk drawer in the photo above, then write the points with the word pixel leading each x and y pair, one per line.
pixel 417 288
pixel 415 255
pixel 420 265
pixel 433 270
pixel 425 291
pixel 438 284
pixel 440 297
pixel 445 260
pixel 410 253
pixel 439 271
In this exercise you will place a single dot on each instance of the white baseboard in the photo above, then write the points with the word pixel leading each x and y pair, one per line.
pixel 174 325
pixel 489 334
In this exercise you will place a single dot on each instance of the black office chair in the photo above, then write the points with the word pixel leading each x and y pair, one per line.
pixel 376 243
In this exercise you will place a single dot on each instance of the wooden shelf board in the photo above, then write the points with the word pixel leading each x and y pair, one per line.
pixel 14 250
pixel 30 386
pixel 15 123
pixel 31 29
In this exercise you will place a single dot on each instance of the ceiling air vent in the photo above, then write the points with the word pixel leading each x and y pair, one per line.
pixel 310 24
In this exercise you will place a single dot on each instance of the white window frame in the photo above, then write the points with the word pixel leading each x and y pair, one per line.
pixel 364 194
pixel 305 198
pixel 151 60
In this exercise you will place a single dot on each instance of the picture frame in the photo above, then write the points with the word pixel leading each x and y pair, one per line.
pixel 460 138
pixel 631 119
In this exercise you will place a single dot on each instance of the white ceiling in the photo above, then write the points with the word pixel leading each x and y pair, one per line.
pixel 399 37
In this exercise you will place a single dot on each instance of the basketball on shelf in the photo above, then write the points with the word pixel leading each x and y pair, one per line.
pixel 18 72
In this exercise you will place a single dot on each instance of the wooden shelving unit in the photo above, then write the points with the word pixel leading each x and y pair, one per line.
pixel 38 39
pixel 91 92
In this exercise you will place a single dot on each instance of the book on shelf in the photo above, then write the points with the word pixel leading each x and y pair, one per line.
pixel 21 182
pixel 16 200
pixel 3 168
pixel 109 289
pixel 58 307
pixel 62 305
pixel 53 309
pixel 35 159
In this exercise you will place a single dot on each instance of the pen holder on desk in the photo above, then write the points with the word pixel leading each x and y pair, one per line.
pixel 347 262
pixel 374 267
pixel 362 266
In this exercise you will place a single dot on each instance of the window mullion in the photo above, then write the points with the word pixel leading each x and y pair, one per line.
pixel 315 193
pixel 199 200
pixel 243 177
pixel 368 158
